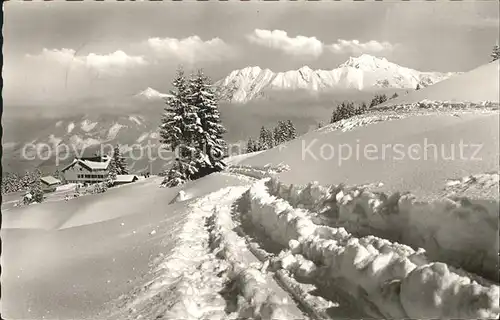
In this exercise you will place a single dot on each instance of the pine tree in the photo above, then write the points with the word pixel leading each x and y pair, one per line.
pixel 363 108
pixel 418 86
pixel 59 175
pixel 35 188
pixel 382 98
pixel 270 139
pixel 290 132
pixel 11 182
pixel 279 132
pixel 119 161
pixel 495 55
pixel 175 176
pixel 209 140
pixel 344 111
pixel 180 127
pixel 251 145
pixel 320 125
pixel 395 95
pixel 266 140
pixel 112 172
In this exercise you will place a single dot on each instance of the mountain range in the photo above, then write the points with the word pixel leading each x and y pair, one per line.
pixel 364 73
pixel 89 129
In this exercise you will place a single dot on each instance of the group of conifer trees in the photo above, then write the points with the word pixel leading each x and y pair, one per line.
pixel 191 127
pixel 284 131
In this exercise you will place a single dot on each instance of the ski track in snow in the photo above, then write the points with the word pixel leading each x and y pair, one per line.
pixel 244 252
pixel 206 276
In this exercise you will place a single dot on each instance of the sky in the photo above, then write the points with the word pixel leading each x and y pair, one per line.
pixel 64 52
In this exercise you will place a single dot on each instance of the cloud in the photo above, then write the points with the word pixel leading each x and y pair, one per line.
pixel 112 63
pixel 311 46
pixel 354 46
pixel 62 56
pixel 279 40
pixel 191 49
pixel 117 59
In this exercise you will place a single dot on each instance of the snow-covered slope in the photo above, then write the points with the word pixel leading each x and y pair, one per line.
pixel 362 73
pixel 400 153
pixel 480 84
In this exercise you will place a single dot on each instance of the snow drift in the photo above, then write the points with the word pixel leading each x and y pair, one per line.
pixel 459 231
pixel 395 280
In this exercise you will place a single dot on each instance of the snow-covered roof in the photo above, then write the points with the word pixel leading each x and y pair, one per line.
pixel 91 163
pixel 50 180
pixel 126 178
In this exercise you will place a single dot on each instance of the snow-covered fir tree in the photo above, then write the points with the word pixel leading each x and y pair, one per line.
pixel 252 145
pixel 174 175
pixel 344 111
pixel 181 131
pixel 278 136
pixel 266 140
pixel 192 128
pixel 11 182
pixel 35 188
pixel 418 86
pixel 280 132
pixel 290 132
pixel 112 172
pixel 209 140
pixel 119 161
pixel 495 55
pixel 59 175
pixel 378 99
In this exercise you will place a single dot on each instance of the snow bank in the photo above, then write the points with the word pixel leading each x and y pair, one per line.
pixel 396 280
pixel 459 231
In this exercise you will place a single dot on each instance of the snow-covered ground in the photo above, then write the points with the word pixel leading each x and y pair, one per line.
pixel 78 255
pixel 282 234
pixel 416 152
pixel 480 84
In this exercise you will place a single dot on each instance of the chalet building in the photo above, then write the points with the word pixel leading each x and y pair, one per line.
pixel 49 183
pixel 87 170
pixel 125 178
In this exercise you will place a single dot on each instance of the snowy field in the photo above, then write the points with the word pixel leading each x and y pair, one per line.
pixel 276 236
pixel 81 253
pixel 286 233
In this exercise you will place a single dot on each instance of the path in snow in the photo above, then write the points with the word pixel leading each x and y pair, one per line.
pixel 210 274
pixel 79 254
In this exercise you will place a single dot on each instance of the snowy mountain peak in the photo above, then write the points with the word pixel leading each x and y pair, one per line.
pixel 306 69
pixel 251 71
pixel 360 73
pixel 366 62
pixel 151 94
